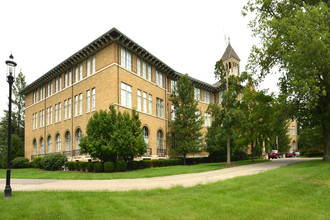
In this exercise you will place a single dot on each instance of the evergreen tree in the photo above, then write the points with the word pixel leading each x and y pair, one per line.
pixel 185 135
pixel 19 104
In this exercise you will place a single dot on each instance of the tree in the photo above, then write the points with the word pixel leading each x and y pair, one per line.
pixel 230 112
pixel 310 137
pixel 294 37
pixel 112 136
pixel 185 136
pixel 19 104
pixel 17 150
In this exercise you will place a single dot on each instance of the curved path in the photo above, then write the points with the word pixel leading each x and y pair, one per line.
pixel 185 180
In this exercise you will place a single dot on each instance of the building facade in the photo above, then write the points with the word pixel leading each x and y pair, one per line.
pixel 113 69
pixel 293 135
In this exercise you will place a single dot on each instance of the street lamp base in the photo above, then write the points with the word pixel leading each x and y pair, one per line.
pixel 7 192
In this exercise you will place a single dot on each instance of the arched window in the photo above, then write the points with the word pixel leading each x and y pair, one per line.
pixel 146 136
pixel 58 143
pixel 160 140
pixel 50 146
pixel 67 141
pixel 78 137
pixel 34 147
pixel 42 146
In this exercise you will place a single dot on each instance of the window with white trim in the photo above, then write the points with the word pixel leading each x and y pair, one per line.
pixel 42 146
pixel 66 82
pixel 150 104
pixel 172 112
pixel 159 107
pixel 197 94
pixel 76 105
pixel 58 143
pixel 173 85
pixel 43 118
pixel 50 144
pixel 144 102
pixel 59 111
pixel 70 77
pixel 126 95
pixel 144 69
pixel 159 78
pixel 69 108
pixel 76 74
pixel 207 119
pixel 40 119
pixel 88 66
pixel 35 147
pixel 80 71
pixel 47 116
pixel 41 95
pixel 56 113
pixel 126 59
pixel 36 120
pixel 206 96
pixel 65 109
pixel 78 138
pixel 93 64
pixel 80 103
pixel 33 121
pixel 149 72
pixel 51 114
pixel 88 101
pixel 93 99
pixel 138 67
pixel 67 141
pixel 139 102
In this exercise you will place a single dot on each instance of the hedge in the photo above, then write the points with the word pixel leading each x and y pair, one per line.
pixel 109 167
pixel 53 161
pixel 20 162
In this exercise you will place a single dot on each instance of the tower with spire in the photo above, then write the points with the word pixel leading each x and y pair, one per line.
pixel 231 60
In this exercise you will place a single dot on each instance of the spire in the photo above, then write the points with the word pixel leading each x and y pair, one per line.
pixel 229 53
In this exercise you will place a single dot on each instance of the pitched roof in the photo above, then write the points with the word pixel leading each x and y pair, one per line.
pixel 230 52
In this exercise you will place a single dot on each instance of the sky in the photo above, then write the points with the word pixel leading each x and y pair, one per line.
pixel 189 36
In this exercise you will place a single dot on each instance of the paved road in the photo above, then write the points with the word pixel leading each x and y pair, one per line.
pixel 185 180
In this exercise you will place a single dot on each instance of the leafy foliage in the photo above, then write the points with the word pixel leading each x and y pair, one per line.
pixel 185 136
pixel 295 38
pixel 53 161
pixel 20 162
pixel 112 136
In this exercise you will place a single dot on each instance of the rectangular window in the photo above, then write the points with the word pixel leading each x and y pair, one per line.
pixel 293 128
pixel 144 102
pixel 144 69
pixel 70 77
pixel 33 121
pixel 93 99
pixel 43 118
pixel 48 89
pixel 220 97
pixel 80 71
pixel 88 100
pixel 47 116
pixel 149 72
pixel 207 119
pixel 126 59
pixel 69 108
pixel 213 97
pixel 65 109
pixel 206 96
pixel 173 85
pixel 56 113
pixel 150 104
pixel 80 103
pixel 76 74
pixel 51 87
pixel 138 67
pixel 66 83
pixel 44 92
pixel 59 111
pixel 56 84
pixel 197 94
pixel 76 105
pixel 36 118
pixel 139 108
pixel 88 66
pixel 159 78
pixel 172 113
pixel 159 107
pixel 93 64
pixel 40 119
pixel 41 93
pixel 126 95
pixel 51 114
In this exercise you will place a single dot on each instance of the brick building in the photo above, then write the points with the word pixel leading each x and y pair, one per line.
pixel 113 69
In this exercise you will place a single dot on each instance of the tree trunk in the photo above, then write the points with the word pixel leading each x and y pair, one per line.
pixel 326 144
pixel 184 159
pixel 252 149
pixel 228 147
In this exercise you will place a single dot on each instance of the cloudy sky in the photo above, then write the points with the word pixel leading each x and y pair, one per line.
pixel 189 36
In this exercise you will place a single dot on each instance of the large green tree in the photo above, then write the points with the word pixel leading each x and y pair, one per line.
pixel 19 103
pixel 112 136
pixel 294 37
pixel 185 135
pixel 230 113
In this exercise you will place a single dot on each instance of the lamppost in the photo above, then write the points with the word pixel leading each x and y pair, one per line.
pixel 10 79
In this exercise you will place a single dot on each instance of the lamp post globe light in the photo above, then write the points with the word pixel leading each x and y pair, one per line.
pixel 10 79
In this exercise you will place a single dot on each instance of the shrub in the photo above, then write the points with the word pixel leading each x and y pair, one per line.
pixel 53 161
pixel 83 166
pixel 71 165
pixel 90 167
pixel 98 167
pixel 77 165
pixel 121 166
pixel 109 167
pixel 144 164
pixel 20 162
pixel 132 165
pixel 36 162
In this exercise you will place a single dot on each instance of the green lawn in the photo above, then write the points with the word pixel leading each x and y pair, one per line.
pixel 300 191
pixel 150 172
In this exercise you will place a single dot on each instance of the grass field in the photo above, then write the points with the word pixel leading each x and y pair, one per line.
pixel 150 172
pixel 300 191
